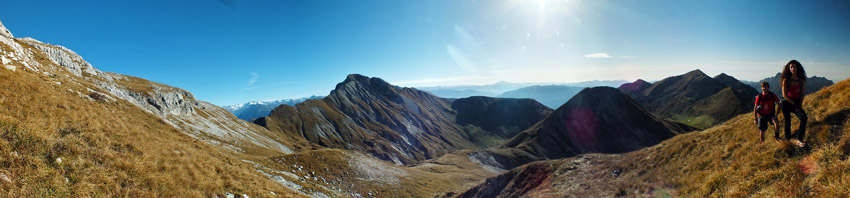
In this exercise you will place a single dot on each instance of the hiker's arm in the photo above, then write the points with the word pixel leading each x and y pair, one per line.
pixel 778 105
pixel 785 94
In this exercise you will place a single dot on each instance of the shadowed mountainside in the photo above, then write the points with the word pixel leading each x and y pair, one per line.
pixel 596 120
pixel 504 117
pixel 634 89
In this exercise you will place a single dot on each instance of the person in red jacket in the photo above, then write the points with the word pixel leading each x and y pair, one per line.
pixel 793 91
pixel 765 111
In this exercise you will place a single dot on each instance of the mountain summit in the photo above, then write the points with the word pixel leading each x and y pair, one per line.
pixel 737 85
pixel 634 88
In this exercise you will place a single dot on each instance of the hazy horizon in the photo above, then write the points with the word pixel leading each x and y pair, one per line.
pixel 231 52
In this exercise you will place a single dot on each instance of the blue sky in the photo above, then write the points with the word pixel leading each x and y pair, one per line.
pixel 230 51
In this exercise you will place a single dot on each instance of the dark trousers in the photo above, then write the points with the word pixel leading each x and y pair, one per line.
pixel 763 120
pixel 787 109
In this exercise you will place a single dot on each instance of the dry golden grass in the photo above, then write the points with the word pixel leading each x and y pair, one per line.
pixel 56 142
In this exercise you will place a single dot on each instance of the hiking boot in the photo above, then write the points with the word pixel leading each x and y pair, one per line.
pixel 799 143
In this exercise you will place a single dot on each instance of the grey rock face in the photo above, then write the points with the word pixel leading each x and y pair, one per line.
pixel 5 32
pixel 64 57
pixel 162 101
pixel 7 38
pixel 172 102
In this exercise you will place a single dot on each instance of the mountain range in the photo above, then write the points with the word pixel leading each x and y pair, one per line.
pixel 553 96
pixel 255 109
pixel 462 91
pixel 402 125
pixel 538 91
pixel 68 129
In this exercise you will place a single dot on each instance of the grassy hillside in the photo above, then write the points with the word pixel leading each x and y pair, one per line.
pixel 60 136
pixel 727 160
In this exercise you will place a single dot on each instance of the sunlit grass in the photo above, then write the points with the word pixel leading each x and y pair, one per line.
pixel 728 160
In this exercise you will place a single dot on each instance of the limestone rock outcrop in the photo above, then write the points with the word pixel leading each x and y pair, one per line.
pixel 13 51
pixel 5 32
pixel 64 57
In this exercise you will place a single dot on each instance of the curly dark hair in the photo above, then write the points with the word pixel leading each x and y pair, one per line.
pixel 786 72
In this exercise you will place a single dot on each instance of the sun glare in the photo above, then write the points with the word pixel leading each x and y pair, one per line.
pixel 541 12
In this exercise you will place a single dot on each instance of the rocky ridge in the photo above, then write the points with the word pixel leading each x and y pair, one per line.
pixel 175 106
